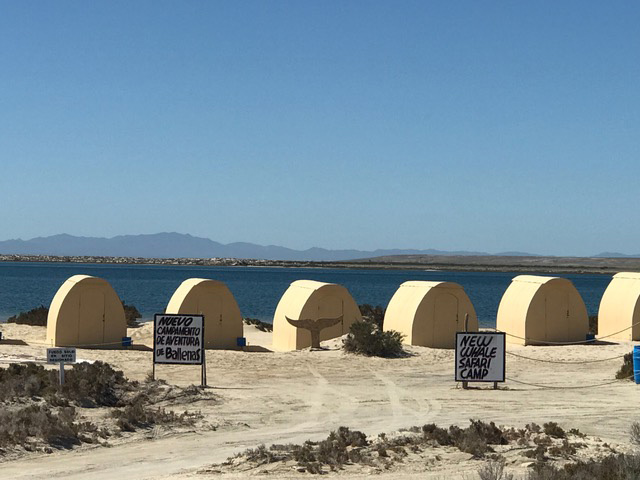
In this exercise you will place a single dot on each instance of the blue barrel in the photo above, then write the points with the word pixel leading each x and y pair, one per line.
pixel 636 364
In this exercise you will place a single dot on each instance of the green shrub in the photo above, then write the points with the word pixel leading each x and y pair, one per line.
pixel 36 316
pixel 626 370
pixel 131 314
pixel 372 314
pixel 365 338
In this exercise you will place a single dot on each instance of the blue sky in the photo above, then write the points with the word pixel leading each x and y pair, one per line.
pixel 492 126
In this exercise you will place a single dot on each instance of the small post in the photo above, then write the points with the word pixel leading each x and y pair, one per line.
pixel 203 382
pixel 61 373
pixel 153 372
pixel 465 385
pixel 495 385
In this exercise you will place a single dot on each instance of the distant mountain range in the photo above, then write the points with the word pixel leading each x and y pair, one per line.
pixel 178 245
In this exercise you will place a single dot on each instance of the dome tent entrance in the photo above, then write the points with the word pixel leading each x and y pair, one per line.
pixel 430 313
pixel 308 299
pixel 537 310
pixel 86 311
pixel 211 298
pixel 619 312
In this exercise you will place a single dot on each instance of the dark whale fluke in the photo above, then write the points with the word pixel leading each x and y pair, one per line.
pixel 314 327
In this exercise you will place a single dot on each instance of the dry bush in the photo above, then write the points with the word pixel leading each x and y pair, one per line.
pixel 259 324
pixel 626 369
pixel 96 384
pixel 554 430
pixel 19 381
pixel 39 422
pixel 494 470
pixel 137 415
pixel 634 433
pixel 612 467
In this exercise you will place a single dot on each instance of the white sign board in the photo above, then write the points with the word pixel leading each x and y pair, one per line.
pixel 480 357
pixel 61 355
pixel 178 339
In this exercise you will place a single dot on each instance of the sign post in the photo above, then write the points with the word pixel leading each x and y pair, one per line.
pixel 480 357
pixel 178 339
pixel 61 356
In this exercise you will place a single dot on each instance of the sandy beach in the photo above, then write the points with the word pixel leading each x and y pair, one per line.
pixel 263 397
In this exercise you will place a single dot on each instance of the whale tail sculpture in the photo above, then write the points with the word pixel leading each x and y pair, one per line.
pixel 315 327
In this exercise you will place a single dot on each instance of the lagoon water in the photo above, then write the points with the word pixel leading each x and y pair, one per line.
pixel 25 285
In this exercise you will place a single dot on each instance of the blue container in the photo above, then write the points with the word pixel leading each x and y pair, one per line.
pixel 636 364
pixel 590 337
pixel 126 341
pixel 241 342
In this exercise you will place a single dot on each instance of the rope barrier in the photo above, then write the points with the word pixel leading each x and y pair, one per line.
pixel 570 362
pixel 86 345
pixel 581 342
pixel 570 387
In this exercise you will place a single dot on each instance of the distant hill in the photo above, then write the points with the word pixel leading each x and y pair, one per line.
pixel 615 255
pixel 178 245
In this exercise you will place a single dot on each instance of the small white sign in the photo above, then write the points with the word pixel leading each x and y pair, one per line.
pixel 178 339
pixel 61 355
pixel 480 357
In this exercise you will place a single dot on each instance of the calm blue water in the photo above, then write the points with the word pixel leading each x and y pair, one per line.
pixel 149 287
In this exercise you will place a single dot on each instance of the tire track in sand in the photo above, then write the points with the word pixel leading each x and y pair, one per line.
pixel 426 410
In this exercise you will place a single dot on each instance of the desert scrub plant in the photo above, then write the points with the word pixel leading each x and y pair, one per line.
pixel 634 433
pixel 476 438
pixel 440 435
pixel 86 384
pixel 137 415
pixel 494 470
pixel 39 422
pixel 96 384
pixel 612 467
pixel 626 370
pixel 19 381
pixel 554 430
pixel 131 314
pixel 372 314
pixel 340 447
pixel 365 338
pixel 259 324
pixel 36 316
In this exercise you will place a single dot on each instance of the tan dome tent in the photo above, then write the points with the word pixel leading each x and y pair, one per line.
pixel 542 309
pixel 308 299
pixel 619 311
pixel 222 317
pixel 430 313
pixel 86 311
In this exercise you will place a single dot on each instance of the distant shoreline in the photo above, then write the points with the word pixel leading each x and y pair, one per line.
pixel 548 265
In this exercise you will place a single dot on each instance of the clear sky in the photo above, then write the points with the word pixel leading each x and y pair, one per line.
pixel 492 126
